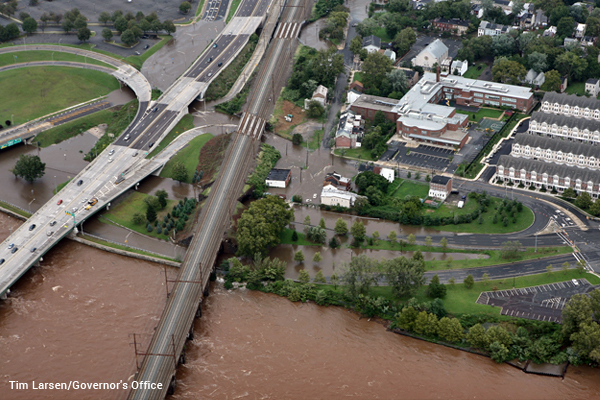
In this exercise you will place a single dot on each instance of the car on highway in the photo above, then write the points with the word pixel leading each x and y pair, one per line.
pixel 32 227
pixel 135 154
pixel 209 60
pixel 14 250
pixel 79 182
pixel 209 74
pixel 110 159
pixel 49 233
pixel 75 209
pixel 10 246
pixel 155 109
pixel 214 46
pixel 150 145
pixel 219 64
pixel 93 201
pixel 126 137
pixel 88 207
pixel 34 249
pixel 1 261
pixel 52 223
pixel 58 203
pixel 110 153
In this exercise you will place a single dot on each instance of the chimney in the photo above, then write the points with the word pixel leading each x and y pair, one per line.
pixel 437 74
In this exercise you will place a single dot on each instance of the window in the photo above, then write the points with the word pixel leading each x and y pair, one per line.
pixel 478 95
pixel 489 96
pixel 509 100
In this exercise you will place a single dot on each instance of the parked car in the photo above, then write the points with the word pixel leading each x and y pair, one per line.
pixel 79 182
pixel 32 227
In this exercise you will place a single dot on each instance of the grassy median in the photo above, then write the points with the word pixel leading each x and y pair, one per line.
pixel 44 55
pixel 185 124
pixel 188 156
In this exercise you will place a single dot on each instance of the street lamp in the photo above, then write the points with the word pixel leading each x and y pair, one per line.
pixel 55 187
pixel 59 40
pixel 53 57
pixel 30 205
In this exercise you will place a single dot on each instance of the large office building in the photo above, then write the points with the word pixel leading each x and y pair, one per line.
pixel 424 114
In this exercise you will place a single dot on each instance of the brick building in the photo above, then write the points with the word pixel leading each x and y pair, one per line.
pixel 453 25
pixel 440 187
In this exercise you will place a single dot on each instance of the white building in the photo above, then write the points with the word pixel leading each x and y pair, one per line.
pixel 440 187
pixel 580 30
pixel 434 53
pixel 459 67
pixel 320 95
pixel 279 178
pixel 592 87
pixel 535 78
pixel 334 197
pixel 487 28
pixel 388 174
pixel 391 54
pixel 371 43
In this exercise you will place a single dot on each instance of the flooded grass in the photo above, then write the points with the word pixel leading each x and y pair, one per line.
pixel 188 156
pixel 73 128
pixel 409 188
pixel 38 91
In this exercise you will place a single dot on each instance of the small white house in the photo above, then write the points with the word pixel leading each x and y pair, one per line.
pixel 279 178
pixel 391 54
pixel 320 95
pixel 592 87
pixel 332 196
pixel 580 30
pixel 534 78
pixel 388 174
pixel 459 67
pixel 371 43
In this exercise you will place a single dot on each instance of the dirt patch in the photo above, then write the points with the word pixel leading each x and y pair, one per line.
pixel 98 131
pixel 307 129
pixel 211 157
pixel 283 127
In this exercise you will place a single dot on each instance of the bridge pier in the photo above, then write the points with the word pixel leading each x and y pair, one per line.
pixel 5 295
pixel 172 386
pixel 199 311
pixel 190 335
pixel 182 357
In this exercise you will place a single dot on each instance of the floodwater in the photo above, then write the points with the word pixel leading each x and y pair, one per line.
pixel 334 259
pixel 121 96
pixel 63 162
pixel 252 345
pixel 73 318
pixel 309 35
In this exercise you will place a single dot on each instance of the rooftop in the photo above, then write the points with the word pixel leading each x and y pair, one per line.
pixel 565 146
pixel 277 174
pixel 437 48
pixel 551 169
pixel 564 120
pixel 440 179
pixel 371 41
pixel 572 100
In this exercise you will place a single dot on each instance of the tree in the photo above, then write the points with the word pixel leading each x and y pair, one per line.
pixel 428 241
pixel 375 67
pixel 120 25
pixel 392 237
pixel 584 201
pixel 316 234
pixel 297 139
pixel 356 45
pixel 565 27
pixel 510 249
pixel 180 172
pixel 359 275
pixel 107 34
pixel 450 329
pixel 128 37
pixel 476 337
pixel 587 341
pixel 552 81
pixel 449 261
pixel 294 236
pixel 138 218
pixel 397 80
pixel 358 231
pixel 260 226
pixel 162 197
pixel 503 45
pixel 499 352
pixel 150 214
pixel 67 26
pixel 570 193
pixel 341 228
pixel 303 276
pixel 317 257
pixel 315 109
pixel 406 318
pixel 435 288
pixel 185 7
pixel 368 178
pixel 403 275
pixel 570 64
pixel 319 278
pixel 452 281
pixel 444 244
pixel 538 61
pixel 169 27
pixel 104 18
pixel 507 71
pixel 577 311
pixel 333 279
pixel 334 243
pixel 29 168
pixel 549 269
pixel 426 324
pixel 469 281
pixel 84 34
pixel 367 27
pixel 411 239
pixel 404 40
pixel 299 256
pixel 30 25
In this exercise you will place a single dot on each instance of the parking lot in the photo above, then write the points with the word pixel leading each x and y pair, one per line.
pixel 542 303
pixel 423 156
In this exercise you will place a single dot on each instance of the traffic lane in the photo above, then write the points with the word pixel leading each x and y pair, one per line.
pixel 521 268
pixel 223 55
pixel 246 8
pixel 261 9
pixel 199 66
pixel 215 9
pixel 150 137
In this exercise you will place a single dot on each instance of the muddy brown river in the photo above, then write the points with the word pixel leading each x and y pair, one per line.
pixel 72 319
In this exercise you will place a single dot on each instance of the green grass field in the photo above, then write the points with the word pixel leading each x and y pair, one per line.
pixel 382 34
pixel 524 219
pixel 361 153
pixel 134 203
pixel 576 88
pixel 286 237
pixel 73 128
pixel 199 8
pixel 315 140
pixel 474 71
pixel 358 76
pixel 38 91
pixel 186 123
pixel 188 156
pixel 234 6
pixel 483 112
pixel 14 209
pixel 138 61
pixel 411 188
pixel 43 55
